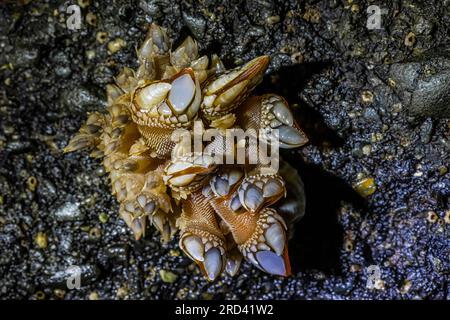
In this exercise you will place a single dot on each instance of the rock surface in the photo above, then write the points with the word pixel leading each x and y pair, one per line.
pixel 424 86
pixel 364 137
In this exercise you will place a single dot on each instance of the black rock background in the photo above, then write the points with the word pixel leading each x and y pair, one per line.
pixel 364 121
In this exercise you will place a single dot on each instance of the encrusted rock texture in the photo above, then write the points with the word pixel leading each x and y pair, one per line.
pixel 374 103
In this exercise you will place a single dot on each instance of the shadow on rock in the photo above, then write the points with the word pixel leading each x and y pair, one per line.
pixel 315 128
pixel 288 81
pixel 318 237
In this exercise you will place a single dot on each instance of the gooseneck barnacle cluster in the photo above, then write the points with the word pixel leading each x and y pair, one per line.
pixel 223 212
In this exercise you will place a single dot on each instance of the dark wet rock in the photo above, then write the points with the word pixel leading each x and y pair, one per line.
pixel 426 130
pixel 102 75
pixel 423 26
pixel 371 115
pixel 196 24
pixel 47 190
pixel 62 64
pixel 63 71
pixel 118 252
pixel 60 278
pixel 82 99
pixel 18 146
pixel 154 288
pixel 424 85
pixel 66 242
pixel 23 56
pixel 268 286
pixel 68 211
pixel 4 185
pixel 152 8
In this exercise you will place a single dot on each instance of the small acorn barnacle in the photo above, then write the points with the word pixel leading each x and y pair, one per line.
pixel 222 212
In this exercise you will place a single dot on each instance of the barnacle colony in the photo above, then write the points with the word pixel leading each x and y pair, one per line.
pixel 223 211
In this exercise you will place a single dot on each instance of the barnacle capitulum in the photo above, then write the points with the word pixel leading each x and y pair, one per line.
pixel 269 113
pixel 224 93
pixel 259 190
pixel 223 212
pixel 201 237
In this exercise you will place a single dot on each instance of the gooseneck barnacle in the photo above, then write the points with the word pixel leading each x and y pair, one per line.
pixel 222 212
